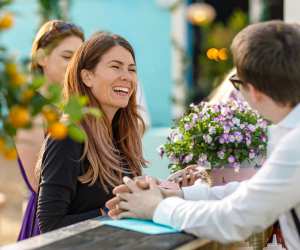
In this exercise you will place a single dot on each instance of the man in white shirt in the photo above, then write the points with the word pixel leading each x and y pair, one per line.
pixel 267 58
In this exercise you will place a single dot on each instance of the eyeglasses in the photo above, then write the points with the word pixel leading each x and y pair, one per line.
pixel 236 82
pixel 56 29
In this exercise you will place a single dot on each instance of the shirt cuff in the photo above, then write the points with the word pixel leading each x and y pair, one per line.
pixel 196 192
pixel 164 211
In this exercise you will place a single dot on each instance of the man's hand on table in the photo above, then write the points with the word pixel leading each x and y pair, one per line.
pixel 139 198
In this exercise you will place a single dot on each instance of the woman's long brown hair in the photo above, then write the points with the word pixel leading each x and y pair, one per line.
pixel 111 149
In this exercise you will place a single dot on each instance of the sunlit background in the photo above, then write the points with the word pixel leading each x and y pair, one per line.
pixel 182 49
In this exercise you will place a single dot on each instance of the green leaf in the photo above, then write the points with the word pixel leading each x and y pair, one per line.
pixel 76 133
pixel 37 82
pixel 74 109
pixel 54 92
pixel 93 111
pixel 83 100
pixel 37 103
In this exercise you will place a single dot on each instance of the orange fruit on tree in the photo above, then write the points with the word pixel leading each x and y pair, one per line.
pixel 10 153
pixel 19 116
pixel 27 95
pixel 223 54
pixel 50 115
pixel 11 68
pixel 58 130
pixel 18 79
pixel 2 144
pixel 6 21
pixel 212 54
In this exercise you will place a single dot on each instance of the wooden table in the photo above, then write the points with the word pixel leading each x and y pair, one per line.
pixel 92 235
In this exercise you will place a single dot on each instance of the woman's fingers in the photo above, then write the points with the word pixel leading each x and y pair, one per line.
pixel 131 184
pixel 115 212
pixel 121 189
pixel 123 196
pixel 112 202
pixel 123 205
pixel 152 182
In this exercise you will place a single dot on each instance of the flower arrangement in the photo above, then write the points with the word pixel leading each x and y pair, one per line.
pixel 216 136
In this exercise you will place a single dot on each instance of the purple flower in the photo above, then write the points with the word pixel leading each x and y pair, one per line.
pixel 236 166
pixel 195 118
pixel 177 137
pixel 187 126
pixel 263 138
pixel 231 138
pixel 188 158
pixel 262 124
pixel 161 151
pixel 248 141
pixel 221 140
pixel 238 136
pixel 226 137
pixel 252 154
pixel 173 159
pixel 226 129
pixel 215 108
pixel 231 159
pixel 251 127
pixel 242 126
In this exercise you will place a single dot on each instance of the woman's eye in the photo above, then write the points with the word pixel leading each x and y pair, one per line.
pixel 132 70
pixel 115 66
pixel 67 57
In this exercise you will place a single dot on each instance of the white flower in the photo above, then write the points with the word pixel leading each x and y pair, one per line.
pixel 207 138
pixel 236 121
pixel 212 130
pixel 188 158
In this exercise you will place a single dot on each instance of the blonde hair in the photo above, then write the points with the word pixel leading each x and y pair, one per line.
pixel 48 37
pixel 108 147
pixel 223 92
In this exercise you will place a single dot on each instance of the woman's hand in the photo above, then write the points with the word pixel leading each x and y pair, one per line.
pixel 142 183
pixel 139 203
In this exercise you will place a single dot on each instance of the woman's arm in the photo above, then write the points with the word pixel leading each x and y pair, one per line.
pixel 60 171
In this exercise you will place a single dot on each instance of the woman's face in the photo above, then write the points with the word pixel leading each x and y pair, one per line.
pixel 55 64
pixel 113 80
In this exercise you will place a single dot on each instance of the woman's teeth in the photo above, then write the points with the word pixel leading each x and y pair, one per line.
pixel 121 90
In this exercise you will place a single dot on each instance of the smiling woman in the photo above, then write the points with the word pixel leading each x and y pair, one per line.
pixel 77 179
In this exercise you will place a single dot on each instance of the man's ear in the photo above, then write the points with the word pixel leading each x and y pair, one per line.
pixel 255 94
pixel 41 57
pixel 86 77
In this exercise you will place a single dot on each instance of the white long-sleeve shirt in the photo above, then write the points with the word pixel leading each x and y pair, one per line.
pixel 234 211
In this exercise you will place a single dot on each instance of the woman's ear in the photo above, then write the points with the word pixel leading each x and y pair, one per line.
pixel 86 77
pixel 41 57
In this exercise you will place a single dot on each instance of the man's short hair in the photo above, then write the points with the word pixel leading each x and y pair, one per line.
pixel 267 56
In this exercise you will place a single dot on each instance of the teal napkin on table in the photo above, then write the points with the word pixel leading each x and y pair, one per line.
pixel 142 226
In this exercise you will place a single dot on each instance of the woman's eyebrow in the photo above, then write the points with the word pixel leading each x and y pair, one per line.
pixel 119 62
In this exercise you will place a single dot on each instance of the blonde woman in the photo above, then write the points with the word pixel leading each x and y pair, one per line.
pixel 53 47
